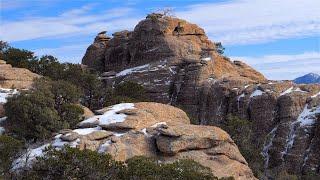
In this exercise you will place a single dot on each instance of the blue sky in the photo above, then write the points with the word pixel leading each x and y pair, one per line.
pixel 280 38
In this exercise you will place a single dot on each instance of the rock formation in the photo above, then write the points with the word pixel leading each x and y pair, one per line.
pixel 177 64
pixel 18 78
pixel 155 130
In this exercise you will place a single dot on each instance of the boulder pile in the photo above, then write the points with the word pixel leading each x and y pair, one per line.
pixel 155 130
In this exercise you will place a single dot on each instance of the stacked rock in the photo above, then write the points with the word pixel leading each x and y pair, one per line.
pixel 102 37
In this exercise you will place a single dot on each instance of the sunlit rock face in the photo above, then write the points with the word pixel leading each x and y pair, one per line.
pixel 177 64
pixel 154 130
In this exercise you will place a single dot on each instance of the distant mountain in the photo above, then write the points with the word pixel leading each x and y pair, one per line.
pixel 310 78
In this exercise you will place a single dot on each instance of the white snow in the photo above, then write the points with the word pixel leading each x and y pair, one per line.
pixel 26 159
pixel 86 131
pixel 2 130
pixel 103 147
pixel 314 96
pixel 256 93
pixel 267 145
pixel 5 93
pixel 125 72
pixel 238 99
pixel 299 90
pixel 246 86
pixel 306 118
pixel 144 130
pixel 153 49
pixel 291 89
pixel 159 123
pixel 287 91
pixel 241 96
pixel 206 59
pixel 111 116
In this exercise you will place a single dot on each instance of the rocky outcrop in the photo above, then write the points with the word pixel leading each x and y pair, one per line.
pixel 158 131
pixel 169 56
pixel 18 78
pixel 177 64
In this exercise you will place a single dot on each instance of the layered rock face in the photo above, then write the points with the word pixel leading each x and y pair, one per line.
pixel 177 64
pixel 18 78
pixel 169 56
pixel 154 130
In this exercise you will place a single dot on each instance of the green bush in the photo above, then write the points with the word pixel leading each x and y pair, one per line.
pixel 241 132
pixel 72 163
pixel 9 149
pixel 131 90
pixel 47 108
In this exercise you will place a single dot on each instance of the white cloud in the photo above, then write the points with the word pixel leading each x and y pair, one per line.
pixel 67 53
pixel 74 22
pixel 250 22
pixel 281 67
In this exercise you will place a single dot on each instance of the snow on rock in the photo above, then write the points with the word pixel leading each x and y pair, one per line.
pixel 2 130
pixel 86 131
pixel 256 93
pixel 206 59
pixel 111 116
pixel 306 118
pixel 29 157
pixel 267 145
pixel 291 89
pixel 125 72
pixel 5 93
pixel 159 123
pixel 314 96
pixel 103 147
pixel 299 90
pixel 287 91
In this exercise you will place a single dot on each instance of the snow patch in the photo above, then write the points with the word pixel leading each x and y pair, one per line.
pixel 5 93
pixel 125 72
pixel 306 118
pixel 287 91
pixel 267 145
pixel 206 59
pixel 103 147
pixel 29 157
pixel 291 89
pixel 111 116
pixel 159 123
pixel 256 93
pixel 2 130
pixel 86 131
pixel 314 96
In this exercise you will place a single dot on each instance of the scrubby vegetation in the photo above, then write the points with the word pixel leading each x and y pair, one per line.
pixel 9 151
pixel 53 102
pixel 71 163
pixel 47 108
pixel 240 131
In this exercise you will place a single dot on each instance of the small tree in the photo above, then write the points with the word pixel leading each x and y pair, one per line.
pixel 219 48
pixel 9 150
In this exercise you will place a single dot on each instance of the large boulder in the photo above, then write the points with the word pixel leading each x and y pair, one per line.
pixel 18 78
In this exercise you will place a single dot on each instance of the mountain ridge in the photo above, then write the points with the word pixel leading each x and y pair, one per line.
pixel 309 78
